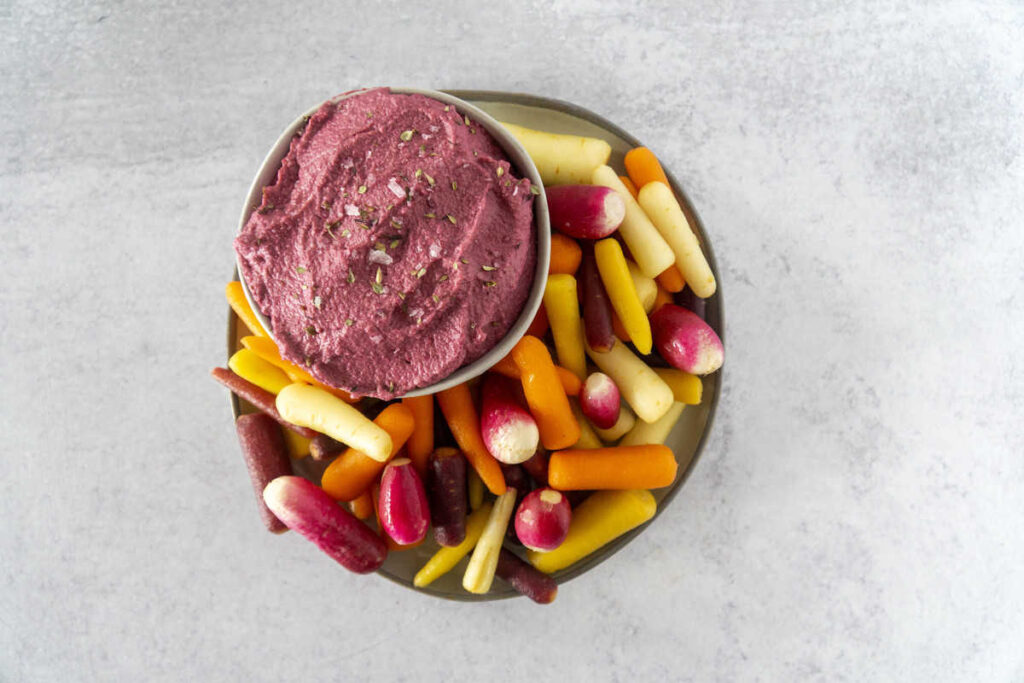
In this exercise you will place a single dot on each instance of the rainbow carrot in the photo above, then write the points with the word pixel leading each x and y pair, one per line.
pixel 622 292
pixel 421 443
pixel 643 167
pixel 548 405
pixel 353 472
pixel 362 506
pixel 260 398
pixel 566 255
pixel 539 326
pixel 599 520
pixel 671 279
pixel 266 349
pixel 618 467
pixel 563 309
pixel 629 185
pixel 241 307
pixel 662 298
pixel 267 376
pixel 571 384
pixel 457 405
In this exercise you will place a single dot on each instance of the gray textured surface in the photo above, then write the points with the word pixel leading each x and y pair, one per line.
pixel 858 514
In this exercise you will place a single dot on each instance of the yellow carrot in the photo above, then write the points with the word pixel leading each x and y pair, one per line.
pixel 563 309
pixel 647 433
pixel 421 443
pixel 646 287
pixel 445 559
pixel 686 388
pixel 241 307
pixel 561 159
pixel 599 520
pixel 249 366
pixel 588 437
pixel 661 207
pixel 645 243
pixel 267 350
pixel 611 264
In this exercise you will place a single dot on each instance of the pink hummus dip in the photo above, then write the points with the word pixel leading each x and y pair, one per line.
pixel 395 245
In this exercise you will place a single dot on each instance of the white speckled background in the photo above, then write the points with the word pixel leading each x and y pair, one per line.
pixel 859 511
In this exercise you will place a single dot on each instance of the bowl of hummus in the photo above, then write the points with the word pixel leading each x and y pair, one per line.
pixel 395 242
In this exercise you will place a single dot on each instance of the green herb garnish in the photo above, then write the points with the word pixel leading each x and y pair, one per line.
pixel 406 135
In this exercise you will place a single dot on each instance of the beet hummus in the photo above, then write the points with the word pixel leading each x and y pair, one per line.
pixel 395 245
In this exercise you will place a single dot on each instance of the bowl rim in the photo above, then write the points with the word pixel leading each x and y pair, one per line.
pixel 520 160
pixel 716 309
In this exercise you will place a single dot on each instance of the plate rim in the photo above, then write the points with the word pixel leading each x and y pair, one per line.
pixel 716 303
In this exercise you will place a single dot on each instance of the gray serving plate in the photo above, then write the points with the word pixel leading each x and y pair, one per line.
pixel 689 435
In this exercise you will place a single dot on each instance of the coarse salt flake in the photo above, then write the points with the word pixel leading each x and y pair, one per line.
pixel 396 188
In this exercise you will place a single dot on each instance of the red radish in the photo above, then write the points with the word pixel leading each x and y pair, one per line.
pixel 599 400
pixel 686 341
pixel 308 511
pixel 509 431
pixel 597 309
pixel 542 520
pixel 585 211
pixel 446 482
pixel 403 509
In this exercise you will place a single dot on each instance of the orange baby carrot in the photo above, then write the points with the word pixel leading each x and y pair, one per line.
pixel 457 405
pixel 671 279
pixel 541 385
pixel 661 299
pixel 241 307
pixel 362 507
pixel 352 472
pixel 629 185
pixel 265 348
pixel 539 327
pixel 643 167
pixel 421 443
pixel 566 254
pixel 621 467
pixel 571 384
